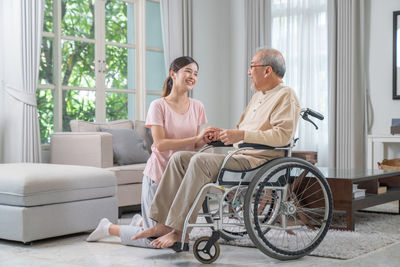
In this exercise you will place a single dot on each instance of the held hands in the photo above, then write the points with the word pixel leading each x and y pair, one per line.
pixel 209 134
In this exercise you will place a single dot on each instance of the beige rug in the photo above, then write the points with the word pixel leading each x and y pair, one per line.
pixel 373 231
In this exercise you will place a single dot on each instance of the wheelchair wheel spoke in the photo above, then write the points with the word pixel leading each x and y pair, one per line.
pixel 309 224
pixel 300 179
pixel 312 194
pixel 292 219
pixel 311 203
pixel 310 214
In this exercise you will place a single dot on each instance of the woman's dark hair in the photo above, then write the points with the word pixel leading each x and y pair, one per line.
pixel 175 66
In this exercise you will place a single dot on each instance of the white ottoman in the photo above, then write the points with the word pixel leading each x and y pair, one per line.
pixel 38 201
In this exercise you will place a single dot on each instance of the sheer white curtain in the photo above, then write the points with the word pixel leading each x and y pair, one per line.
pixel 176 23
pixel 20 35
pixel 348 83
pixel 257 18
pixel 300 31
pixel 176 20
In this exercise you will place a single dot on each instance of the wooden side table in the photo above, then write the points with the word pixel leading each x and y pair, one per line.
pixel 341 183
pixel 310 156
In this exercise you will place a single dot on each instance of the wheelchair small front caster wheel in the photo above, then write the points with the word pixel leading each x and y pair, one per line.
pixel 203 254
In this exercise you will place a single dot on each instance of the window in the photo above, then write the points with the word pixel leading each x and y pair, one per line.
pixel 101 60
pixel 300 31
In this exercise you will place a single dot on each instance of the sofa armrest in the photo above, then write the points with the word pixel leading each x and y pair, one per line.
pixel 82 148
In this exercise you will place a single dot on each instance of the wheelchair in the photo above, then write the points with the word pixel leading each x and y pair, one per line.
pixel 284 206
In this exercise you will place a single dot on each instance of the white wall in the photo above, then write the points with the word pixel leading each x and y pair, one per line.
pixel 219 47
pixel 380 68
pixel 238 56
pixel 211 49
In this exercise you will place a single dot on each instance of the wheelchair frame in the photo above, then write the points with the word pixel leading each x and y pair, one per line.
pixel 250 180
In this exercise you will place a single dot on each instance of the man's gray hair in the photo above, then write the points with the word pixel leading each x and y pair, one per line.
pixel 273 58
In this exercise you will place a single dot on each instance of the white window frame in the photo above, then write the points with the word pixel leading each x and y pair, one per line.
pixel 100 59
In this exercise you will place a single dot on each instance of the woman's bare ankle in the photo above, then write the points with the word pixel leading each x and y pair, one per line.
pixel 114 230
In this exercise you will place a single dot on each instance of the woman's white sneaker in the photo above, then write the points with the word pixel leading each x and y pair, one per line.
pixel 101 231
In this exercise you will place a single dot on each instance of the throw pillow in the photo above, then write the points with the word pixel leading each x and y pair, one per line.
pixel 128 146
pixel 150 137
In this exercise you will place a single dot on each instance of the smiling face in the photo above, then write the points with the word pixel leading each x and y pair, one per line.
pixel 185 78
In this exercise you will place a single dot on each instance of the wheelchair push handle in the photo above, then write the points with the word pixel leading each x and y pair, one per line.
pixel 313 113
pixel 305 112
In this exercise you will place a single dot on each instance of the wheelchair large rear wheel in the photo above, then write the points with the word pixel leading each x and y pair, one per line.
pixel 288 208
pixel 232 213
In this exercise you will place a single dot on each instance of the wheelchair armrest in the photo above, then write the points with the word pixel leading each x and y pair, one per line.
pixel 260 146
pixel 218 144
pixel 212 145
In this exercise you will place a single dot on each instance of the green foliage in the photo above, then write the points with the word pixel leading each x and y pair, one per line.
pixel 45 104
pixel 77 66
pixel 117 21
pixel 78 105
pixel 46 62
pixel 116 106
pixel 48 16
pixel 77 18
pixel 117 67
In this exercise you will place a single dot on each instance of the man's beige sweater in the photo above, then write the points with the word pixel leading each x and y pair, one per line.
pixel 270 119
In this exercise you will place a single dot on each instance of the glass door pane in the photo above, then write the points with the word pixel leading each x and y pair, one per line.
pixel 77 18
pixel 120 60
pixel 117 107
pixel 120 72
pixel 155 70
pixel 48 16
pixel 45 104
pixel 78 64
pixel 46 61
pixel 120 22
pixel 155 64
pixel 153 25
pixel 78 105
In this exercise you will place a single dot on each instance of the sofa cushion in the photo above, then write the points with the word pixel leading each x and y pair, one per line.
pixel 128 174
pixel 85 126
pixel 128 146
pixel 28 184
pixel 137 125
pixel 144 132
pixel 129 194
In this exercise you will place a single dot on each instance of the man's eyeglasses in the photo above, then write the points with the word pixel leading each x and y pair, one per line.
pixel 254 66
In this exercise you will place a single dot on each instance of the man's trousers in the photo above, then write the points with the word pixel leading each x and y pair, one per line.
pixel 185 175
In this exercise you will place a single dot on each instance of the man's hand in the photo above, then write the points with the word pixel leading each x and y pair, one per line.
pixel 229 137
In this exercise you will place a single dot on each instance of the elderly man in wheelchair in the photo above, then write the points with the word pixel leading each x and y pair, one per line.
pixel 284 204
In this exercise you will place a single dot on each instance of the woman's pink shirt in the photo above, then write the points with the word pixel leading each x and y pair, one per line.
pixel 176 126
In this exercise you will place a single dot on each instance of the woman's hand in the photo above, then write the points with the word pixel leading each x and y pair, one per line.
pixel 211 136
pixel 208 134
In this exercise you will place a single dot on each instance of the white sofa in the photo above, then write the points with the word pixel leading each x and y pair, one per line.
pixel 87 145
pixel 39 201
